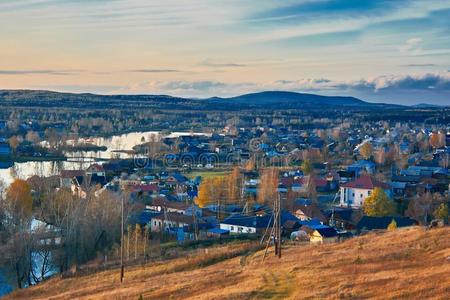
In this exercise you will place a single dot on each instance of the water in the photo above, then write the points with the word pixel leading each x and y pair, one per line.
pixel 82 159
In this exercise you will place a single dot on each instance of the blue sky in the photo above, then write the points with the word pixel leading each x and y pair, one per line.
pixel 395 51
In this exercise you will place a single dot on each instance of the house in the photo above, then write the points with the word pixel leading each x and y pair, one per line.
pixel 362 166
pixel 355 192
pixel 305 210
pixel 169 221
pixel 242 224
pixel 344 218
pixel 96 169
pixel 319 234
pixel 372 223
pixel 161 204
pixel 67 176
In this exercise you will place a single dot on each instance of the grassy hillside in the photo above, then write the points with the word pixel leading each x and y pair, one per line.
pixel 406 264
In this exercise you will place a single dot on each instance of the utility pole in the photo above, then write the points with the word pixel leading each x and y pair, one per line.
pixel 279 225
pixel 276 228
pixel 121 244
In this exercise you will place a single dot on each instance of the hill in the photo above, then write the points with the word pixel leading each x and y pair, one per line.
pixel 263 100
pixel 412 263
pixel 292 99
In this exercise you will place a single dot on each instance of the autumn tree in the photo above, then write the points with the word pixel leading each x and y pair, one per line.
pixel 268 186
pixel 310 189
pixel 14 143
pixel 378 204
pixel 212 190
pixel 442 212
pixel 235 181
pixel 32 137
pixel 307 167
pixel 18 195
pixel 392 226
pixel 421 206
pixel 380 157
pixel 366 150
pixel 15 220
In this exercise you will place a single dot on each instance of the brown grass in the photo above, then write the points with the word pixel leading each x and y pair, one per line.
pixel 405 264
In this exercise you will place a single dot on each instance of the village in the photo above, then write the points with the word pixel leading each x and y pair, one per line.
pixel 211 186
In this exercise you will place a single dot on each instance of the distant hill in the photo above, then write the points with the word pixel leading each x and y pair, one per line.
pixel 410 263
pixel 426 105
pixel 267 99
pixel 291 98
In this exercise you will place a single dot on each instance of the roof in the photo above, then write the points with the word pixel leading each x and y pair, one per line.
pixel 370 223
pixel 146 188
pixel 248 221
pixel 176 217
pixel 326 231
pixel 311 210
pixel 367 183
pixel 169 204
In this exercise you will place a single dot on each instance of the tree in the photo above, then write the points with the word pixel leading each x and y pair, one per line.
pixel 205 193
pixel 14 143
pixel 366 150
pixel 442 212
pixel 137 235
pixel 19 197
pixel 436 140
pixel 422 206
pixel 268 186
pixel 378 204
pixel 307 167
pixel 380 157
pixel 32 137
pixel 234 185
pixel 392 226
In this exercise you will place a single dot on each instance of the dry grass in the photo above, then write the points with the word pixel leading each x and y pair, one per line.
pixel 406 264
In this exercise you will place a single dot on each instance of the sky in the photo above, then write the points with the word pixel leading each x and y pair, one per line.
pixel 391 51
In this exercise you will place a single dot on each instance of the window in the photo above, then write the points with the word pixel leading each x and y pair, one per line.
pixel 353 194
pixel 369 193
pixel 232 228
pixel 361 195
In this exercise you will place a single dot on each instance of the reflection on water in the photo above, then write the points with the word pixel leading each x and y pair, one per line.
pixel 82 159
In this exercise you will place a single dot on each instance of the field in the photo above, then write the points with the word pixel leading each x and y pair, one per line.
pixel 412 263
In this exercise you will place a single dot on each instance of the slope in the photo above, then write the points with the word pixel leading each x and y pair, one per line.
pixel 412 263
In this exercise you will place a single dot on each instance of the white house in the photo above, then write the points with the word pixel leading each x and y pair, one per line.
pixel 170 220
pixel 354 193
pixel 242 224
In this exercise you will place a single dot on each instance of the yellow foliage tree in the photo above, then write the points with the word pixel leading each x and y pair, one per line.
pixel 366 150
pixel 442 212
pixel 307 167
pixel 392 226
pixel 205 193
pixel 234 185
pixel 378 204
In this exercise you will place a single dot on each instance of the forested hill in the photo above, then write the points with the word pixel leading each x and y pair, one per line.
pixel 270 99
